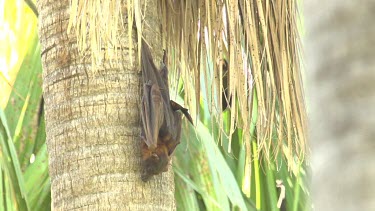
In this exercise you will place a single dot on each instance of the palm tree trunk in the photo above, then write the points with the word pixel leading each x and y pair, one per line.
pixel 93 122
pixel 340 53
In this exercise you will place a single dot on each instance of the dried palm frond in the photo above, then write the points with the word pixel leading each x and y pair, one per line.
pixel 259 39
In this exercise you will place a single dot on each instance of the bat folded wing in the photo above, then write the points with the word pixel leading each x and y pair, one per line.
pixel 152 114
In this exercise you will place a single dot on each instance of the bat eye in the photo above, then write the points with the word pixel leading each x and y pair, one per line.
pixel 155 156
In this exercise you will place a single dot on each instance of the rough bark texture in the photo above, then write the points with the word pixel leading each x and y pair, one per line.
pixel 93 122
pixel 341 80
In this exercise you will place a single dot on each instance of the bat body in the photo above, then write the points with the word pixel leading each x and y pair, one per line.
pixel 161 120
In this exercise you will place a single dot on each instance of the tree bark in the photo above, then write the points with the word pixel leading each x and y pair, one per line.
pixel 340 53
pixel 93 121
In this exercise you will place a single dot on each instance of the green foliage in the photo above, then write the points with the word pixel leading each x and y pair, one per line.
pixel 209 178
pixel 26 184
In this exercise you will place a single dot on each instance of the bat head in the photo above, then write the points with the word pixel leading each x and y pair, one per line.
pixel 155 164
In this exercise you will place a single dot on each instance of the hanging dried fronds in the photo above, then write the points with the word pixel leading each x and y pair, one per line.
pixel 96 25
pixel 259 39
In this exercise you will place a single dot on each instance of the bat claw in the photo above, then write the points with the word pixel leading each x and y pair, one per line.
pixel 175 106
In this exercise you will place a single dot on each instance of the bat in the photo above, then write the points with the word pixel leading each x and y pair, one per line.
pixel 161 121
